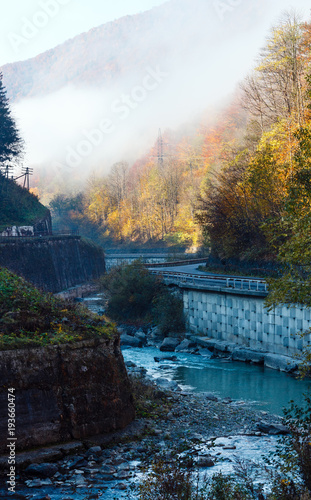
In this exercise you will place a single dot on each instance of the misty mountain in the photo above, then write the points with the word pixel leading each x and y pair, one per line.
pixel 102 96
pixel 176 33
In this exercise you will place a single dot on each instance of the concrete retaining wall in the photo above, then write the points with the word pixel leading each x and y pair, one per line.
pixel 53 263
pixel 243 319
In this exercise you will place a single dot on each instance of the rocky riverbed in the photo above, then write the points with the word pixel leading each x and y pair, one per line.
pixel 209 430
pixel 171 422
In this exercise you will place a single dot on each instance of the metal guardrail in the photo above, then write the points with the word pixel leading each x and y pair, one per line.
pixel 213 280
pixel 37 234
pixel 185 262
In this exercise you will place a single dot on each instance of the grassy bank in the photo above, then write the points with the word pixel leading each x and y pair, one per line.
pixel 29 317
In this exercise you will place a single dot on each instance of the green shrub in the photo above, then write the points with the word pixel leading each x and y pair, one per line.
pixel 150 402
pixel 168 312
pixel 131 291
pixel 229 488
pixel 168 482
pixel 137 295
pixel 292 459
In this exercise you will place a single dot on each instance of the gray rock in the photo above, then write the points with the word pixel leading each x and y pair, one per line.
pixel 168 385
pixel 139 371
pixel 74 461
pixel 210 396
pixel 124 466
pixel 41 470
pixel 140 335
pixel 169 344
pixel 43 497
pixel 198 438
pixel 95 450
pixel 154 333
pixel 108 469
pixel 205 461
pixel 248 356
pixel 281 363
pixel 70 448
pixel 227 401
pixel 273 429
pixel 204 342
pixel 218 345
pixel 185 345
pixel 122 475
pixel 121 486
pixel 206 353
pixel 129 341
pixel 158 359
pixel 130 364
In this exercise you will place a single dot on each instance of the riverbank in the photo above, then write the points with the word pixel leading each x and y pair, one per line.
pixel 208 430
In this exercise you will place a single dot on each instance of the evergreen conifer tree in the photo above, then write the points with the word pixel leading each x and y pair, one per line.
pixel 10 142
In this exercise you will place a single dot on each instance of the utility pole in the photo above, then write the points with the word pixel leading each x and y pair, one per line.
pixel 26 173
pixel 8 169
pixel 160 150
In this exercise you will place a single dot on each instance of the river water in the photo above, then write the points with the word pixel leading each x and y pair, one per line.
pixel 265 388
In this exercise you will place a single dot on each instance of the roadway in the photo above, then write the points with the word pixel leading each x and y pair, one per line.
pixel 190 275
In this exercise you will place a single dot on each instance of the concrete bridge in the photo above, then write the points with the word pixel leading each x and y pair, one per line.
pixel 233 309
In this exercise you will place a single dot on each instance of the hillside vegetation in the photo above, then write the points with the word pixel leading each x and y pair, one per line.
pixel 18 207
pixel 30 318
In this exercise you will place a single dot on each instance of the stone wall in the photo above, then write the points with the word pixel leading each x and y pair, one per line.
pixel 243 319
pixel 53 263
pixel 64 392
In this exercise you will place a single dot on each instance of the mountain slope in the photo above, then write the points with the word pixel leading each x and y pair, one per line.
pixel 167 35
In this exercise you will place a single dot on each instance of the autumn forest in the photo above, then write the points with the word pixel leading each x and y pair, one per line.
pixel 241 186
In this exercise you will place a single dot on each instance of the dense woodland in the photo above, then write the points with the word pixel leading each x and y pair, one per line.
pixel 241 186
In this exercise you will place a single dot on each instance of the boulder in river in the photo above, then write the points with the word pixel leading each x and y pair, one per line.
pixel 248 356
pixel 281 363
pixel 273 429
pixel 210 396
pixel 129 341
pixel 186 345
pixel 166 384
pixel 205 461
pixel 169 344
pixel 140 335
pixel 165 358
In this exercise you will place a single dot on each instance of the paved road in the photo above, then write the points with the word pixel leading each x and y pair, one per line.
pixel 193 269
pixel 189 274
